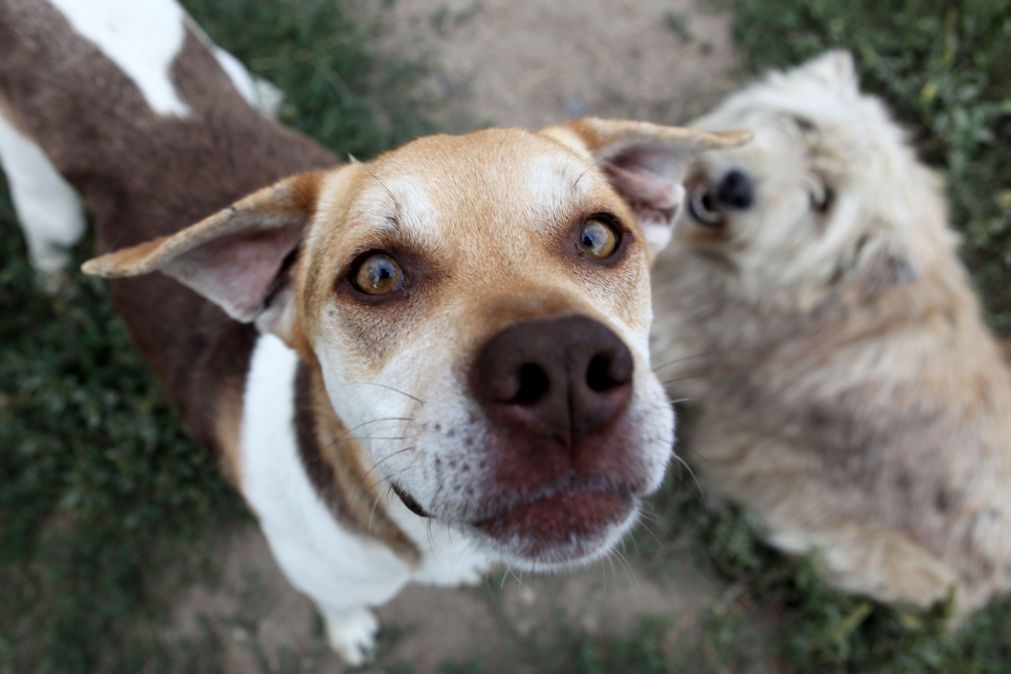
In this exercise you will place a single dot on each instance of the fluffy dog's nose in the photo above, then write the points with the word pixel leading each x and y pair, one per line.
pixel 735 190
pixel 560 377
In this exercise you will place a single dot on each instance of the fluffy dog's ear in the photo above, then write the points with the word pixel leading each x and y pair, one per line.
pixel 645 163
pixel 238 258
pixel 869 271
pixel 834 68
pixel 884 272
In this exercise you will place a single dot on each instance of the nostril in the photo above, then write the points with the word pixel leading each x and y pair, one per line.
pixel 604 374
pixel 534 384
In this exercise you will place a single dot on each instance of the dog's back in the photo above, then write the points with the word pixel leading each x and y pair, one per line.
pixel 153 137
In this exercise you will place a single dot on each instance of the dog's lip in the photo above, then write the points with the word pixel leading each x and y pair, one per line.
pixel 565 521
pixel 409 501
pixel 568 485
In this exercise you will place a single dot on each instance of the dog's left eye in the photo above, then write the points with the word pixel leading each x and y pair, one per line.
pixel 377 274
pixel 597 239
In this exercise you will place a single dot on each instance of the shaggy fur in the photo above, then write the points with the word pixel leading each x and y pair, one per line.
pixel 850 394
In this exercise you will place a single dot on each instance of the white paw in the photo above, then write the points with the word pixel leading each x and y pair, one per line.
pixel 352 634
pixel 51 282
pixel 50 264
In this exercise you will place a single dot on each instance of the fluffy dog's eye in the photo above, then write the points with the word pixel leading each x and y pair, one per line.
pixel 377 274
pixel 703 207
pixel 823 202
pixel 597 239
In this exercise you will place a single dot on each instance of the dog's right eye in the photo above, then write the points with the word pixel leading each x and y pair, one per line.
pixel 377 273
pixel 597 239
pixel 703 207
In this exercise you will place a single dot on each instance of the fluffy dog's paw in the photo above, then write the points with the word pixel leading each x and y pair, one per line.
pixel 352 634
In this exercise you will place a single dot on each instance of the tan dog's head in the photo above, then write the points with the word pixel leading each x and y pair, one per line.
pixel 827 195
pixel 479 307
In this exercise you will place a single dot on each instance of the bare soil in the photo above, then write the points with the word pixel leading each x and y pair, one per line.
pixel 509 63
pixel 531 63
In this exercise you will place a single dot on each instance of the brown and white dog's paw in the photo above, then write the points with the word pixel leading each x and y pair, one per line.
pixel 352 634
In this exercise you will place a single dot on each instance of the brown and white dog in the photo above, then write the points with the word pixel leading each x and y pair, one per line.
pixel 850 394
pixel 462 322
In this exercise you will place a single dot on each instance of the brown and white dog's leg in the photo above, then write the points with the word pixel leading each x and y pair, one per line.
pixel 48 208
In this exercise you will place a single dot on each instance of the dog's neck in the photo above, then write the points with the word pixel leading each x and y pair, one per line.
pixel 336 466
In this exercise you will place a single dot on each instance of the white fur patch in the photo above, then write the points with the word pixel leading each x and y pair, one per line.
pixel 553 182
pixel 50 212
pixel 143 41
pixel 342 572
pixel 258 92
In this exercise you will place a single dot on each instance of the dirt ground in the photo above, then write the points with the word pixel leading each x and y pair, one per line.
pixel 531 63
pixel 523 63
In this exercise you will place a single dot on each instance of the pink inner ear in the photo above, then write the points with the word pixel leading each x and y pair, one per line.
pixel 643 189
pixel 239 271
pixel 645 176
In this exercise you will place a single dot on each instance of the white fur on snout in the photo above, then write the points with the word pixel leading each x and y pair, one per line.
pixel 425 432
pixel 141 38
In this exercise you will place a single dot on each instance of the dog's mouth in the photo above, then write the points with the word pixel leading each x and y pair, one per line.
pixel 563 523
pixel 409 501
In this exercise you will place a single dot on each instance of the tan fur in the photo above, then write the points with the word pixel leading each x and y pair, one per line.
pixel 855 402
pixel 228 433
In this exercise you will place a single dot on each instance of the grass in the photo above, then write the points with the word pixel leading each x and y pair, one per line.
pixel 101 492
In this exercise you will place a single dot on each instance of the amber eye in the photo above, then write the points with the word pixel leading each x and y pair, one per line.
pixel 377 274
pixel 597 239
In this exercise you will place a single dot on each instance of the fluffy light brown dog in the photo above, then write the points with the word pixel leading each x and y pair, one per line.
pixel 812 304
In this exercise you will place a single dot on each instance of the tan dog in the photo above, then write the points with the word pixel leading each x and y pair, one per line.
pixel 449 363
pixel 813 305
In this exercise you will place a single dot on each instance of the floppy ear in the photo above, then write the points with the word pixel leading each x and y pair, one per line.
pixel 237 258
pixel 869 271
pixel 645 164
pixel 883 272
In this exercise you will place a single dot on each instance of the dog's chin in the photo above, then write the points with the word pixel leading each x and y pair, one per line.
pixel 556 530
pixel 559 531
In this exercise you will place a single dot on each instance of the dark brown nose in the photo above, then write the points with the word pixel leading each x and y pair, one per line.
pixel 560 377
